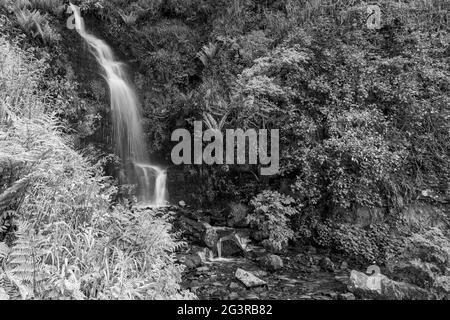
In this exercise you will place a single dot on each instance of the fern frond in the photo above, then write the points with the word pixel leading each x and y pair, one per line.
pixel 4 250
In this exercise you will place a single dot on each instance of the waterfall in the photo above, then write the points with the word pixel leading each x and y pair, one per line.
pixel 126 118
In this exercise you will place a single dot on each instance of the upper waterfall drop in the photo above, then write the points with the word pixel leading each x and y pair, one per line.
pixel 126 117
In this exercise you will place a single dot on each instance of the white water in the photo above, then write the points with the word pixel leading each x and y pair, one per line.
pixel 126 117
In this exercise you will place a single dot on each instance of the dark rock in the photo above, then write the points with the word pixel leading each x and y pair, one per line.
pixel 193 261
pixel 232 241
pixel 304 260
pixel 271 262
pixel 344 265
pixel 258 236
pixel 326 264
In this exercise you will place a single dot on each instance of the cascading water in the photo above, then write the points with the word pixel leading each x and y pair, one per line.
pixel 126 117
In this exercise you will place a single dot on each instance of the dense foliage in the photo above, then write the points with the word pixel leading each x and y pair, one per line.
pixel 363 114
pixel 63 237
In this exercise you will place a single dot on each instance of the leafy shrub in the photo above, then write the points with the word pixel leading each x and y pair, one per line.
pixel 372 244
pixel 36 24
pixel 56 7
pixel 271 217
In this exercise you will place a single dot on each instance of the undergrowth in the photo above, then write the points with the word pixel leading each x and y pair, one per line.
pixel 62 238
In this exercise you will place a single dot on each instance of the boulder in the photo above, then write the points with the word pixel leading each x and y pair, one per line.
pixel 379 286
pixel 248 279
pixel 229 241
pixel 417 272
pixel 424 262
pixel 326 264
pixel 271 262
pixel 344 265
pixel 192 261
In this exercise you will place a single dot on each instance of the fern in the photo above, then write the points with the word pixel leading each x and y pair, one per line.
pixel 207 53
pixel 211 123
pixel 36 24
pixel 24 259
pixel 129 18
pixel 57 7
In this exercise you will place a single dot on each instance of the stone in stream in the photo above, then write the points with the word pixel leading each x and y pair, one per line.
pixel 193 261
pixel 326 264
pixel 226 241
pixel 271 262
pixel 249 279
pixel 344 265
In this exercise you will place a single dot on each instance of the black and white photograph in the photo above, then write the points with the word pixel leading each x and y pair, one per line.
pixel 226 155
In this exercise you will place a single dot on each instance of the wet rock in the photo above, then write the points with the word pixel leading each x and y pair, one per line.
pixel 231 241
pixel 326 264
pixel 249 279
pixel 193 261
pixel 344 265
pixel 271 262
pixel 379 286
pixel 304 260
pixel 230 247
pixel 257 236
